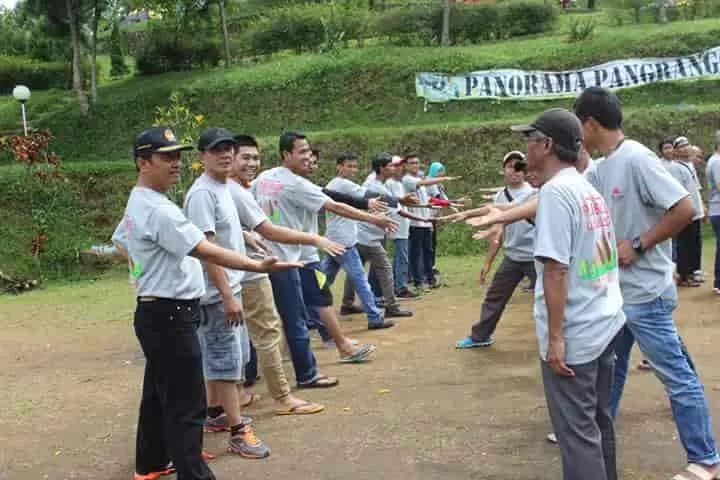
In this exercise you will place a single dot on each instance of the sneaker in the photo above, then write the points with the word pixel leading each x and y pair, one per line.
pixel 381 325
pixel 468 342
pixel 168 470
pixel 434 284
pixel 397 312
pixel 699 276
pixel 380 302
pixel 407 294
pixel 716 291
pixel 351 310
pixel 645 365
pixel 552 438
pixel 247 445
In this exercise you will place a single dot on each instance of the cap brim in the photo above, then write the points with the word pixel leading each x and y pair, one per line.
pixel 523 128
pixel 172 148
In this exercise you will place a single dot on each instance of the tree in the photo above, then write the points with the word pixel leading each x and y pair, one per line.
pixel 98 6
pixel 72 11
pixel 117 58
pixel 445 37
pixel 226 41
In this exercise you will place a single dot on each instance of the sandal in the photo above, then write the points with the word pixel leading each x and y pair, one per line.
pixel 320 381
pixel 361 355
pixel 304 408
pixel 693 471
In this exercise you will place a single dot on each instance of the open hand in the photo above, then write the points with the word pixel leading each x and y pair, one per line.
pixel 376 205
pixel 409 199
pixel 386 223
pixel 273 264
pixel 333 249
pixel 255 243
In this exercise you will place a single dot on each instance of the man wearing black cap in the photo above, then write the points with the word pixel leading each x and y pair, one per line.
pixel 517 240
pixel 223 334
pixel 578 306
pixel 163 249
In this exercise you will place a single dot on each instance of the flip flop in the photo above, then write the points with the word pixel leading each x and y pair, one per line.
pixel 361 355
pixel 694 471
pixel 304 408
pixel 320 381
pixel 253 397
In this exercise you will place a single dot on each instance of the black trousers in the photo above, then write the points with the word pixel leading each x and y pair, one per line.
pixel 688 253
pixel 420 255
pixel 173 404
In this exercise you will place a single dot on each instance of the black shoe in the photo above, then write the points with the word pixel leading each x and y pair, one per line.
pixel 396 312
pixel 407 294
pixel 380 326
pixel 352 310
pixel 435 284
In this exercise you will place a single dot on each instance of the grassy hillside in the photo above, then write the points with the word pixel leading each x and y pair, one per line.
pixel 358 89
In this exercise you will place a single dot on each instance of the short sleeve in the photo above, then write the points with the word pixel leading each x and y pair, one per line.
pixel 410 183
pixel 499 198
pixel 348 188
pixel 305 194
pixel 713 173
pixel 119 236
pixel 175 233
pixel 553 225
pixel 655 184
pixel 200 210
pixel 250 213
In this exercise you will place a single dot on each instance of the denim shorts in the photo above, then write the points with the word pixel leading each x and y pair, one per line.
pixel 313 294
pixel 225 349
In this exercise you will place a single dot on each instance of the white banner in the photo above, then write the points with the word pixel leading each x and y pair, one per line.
pixel 439 87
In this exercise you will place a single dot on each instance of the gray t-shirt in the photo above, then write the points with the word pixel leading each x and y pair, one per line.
pixel 519 237
pixel 638 191
pixel 251 216
pixel 158 239
pixel 685 175
pixel 337 228
pixel 712 173
pixel 210 207
pixel 574 229
pixel 291 201
pixel 396 189
pixel 412 185
pixel 369 234
pixel 693 188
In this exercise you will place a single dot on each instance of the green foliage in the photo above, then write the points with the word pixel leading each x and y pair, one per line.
pixel 169 51
pixel 117 58
pixel 33 73
pixel 581 29
pixel 22 34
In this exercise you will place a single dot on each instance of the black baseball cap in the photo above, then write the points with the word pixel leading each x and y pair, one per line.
pixel 160 139
pixel 212 137
pixel 562 126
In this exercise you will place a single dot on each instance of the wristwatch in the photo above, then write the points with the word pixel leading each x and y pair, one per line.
pixel 637 245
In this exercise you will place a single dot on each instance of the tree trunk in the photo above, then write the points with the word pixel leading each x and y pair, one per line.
pixel 226 40
pixel 76 73
pixel 445 37
pixel 93 61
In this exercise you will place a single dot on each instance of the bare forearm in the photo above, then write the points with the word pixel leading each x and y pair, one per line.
pixel 431 181
pixel 493 251
pixel 674 220
pixel 555 275
pixel 520 212
pixel 211 253
pixel 349 212
pixel 276 233
pixel 410 216
pixel 217 277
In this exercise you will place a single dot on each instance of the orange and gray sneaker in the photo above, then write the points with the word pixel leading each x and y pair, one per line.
pixel 246 444
pixel 169 469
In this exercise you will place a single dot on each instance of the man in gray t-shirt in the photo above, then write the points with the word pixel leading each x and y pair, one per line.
pixel 647 206
pixel 712 174
pixel 160 242
pixel 518 262
pixel 578 306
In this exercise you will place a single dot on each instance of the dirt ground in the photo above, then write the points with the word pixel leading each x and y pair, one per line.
pixel 422 410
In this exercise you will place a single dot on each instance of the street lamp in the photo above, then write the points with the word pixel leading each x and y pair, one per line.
pixel 22 94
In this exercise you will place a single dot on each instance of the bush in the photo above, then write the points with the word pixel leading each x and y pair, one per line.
pixel 410 26
pixel 527 18
pixel 34 74
pixel 117 59
pixel 581 29
pixel 169 51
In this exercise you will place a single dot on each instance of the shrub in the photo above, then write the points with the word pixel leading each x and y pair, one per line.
pixel 409 26
pixel 478 22
pixel 34 74
pixel 581 29
pixel 168 51
pixel 117 59
pixel 526 18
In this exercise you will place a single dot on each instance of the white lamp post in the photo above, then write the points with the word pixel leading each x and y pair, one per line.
pixel 22 94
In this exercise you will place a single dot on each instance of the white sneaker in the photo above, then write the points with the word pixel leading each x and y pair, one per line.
pixel 551 438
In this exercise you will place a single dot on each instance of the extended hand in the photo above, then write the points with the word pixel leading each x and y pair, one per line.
pixel 333 249
pixel 556 357
pixel 255 243
pixel 409 200
pixel 376 205
pixel 273 264
pixel 493 217
pixel 626 253
pixel 387 224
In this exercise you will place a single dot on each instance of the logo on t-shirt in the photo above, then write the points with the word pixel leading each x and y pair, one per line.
pixel 596 218
pixel 616 192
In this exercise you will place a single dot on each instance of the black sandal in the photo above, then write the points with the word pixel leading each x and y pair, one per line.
pixel 321 381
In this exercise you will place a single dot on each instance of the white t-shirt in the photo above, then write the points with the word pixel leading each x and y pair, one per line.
pixel 158 239
pixel 396 189
pixel 291 201
pixel 638 190
pixel 337 228
pixel 251 216
pixel 209 206
pixel 574 228
pixel 412 185
pixel 712 174
pixel 519 237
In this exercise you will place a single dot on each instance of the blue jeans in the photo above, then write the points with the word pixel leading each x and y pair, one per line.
pixel 352 264
pixel 715 222
pixel 401 264
pixel 651 324
pixel 290 304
